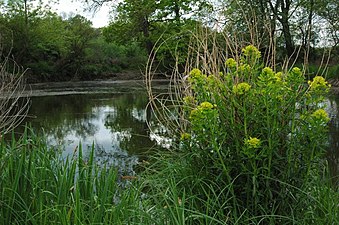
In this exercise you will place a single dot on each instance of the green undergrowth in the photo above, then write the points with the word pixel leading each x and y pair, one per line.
pixel 38 186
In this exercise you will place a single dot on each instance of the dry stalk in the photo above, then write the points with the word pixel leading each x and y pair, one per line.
pixel 13 104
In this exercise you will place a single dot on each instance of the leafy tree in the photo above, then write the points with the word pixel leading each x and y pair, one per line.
pixel 78 35
pixel 329 11
pixel 21 18
pixel 144 21
pixel 298 22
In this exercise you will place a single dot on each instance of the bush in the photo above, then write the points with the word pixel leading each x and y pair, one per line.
pixel 251 143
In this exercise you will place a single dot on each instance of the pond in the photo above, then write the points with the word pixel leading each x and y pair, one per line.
pixel 111 116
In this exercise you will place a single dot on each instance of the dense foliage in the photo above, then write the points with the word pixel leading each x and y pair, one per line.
pixel 65 47
pixel 250 146
pixel 56 48
pixel 256 129
pixel 38 186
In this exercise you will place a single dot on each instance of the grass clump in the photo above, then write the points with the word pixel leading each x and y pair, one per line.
pixel 39 187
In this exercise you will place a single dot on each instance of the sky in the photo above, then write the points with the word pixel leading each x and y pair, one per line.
pixel 99 18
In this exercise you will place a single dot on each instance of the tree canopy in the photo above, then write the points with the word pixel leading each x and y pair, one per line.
pixel 56 47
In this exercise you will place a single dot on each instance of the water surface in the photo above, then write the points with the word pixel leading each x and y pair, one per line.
pixel 109 116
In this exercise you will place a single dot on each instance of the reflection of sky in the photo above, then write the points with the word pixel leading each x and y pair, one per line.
pixel 103 137
pixel 139 114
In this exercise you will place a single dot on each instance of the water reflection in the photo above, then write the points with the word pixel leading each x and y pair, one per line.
pixel 114 123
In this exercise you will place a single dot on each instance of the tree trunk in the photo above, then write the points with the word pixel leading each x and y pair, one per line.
pixel 285 8
pixel 145 30
pixel 176 11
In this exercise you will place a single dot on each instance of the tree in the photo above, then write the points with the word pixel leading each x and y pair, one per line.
pixel 79 33
pixel 20 19
pixel 297 21
pixel 329 11
pixel 143 20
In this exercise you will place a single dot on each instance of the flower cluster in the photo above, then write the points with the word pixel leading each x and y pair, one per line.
pixel 251 51
pixel 295 78
pixel 267 75
pixel 201 111
pixel 318 83
pixel 197 79
pixel 231 64
pixel 195 73
pixel 241 88
pixel 250 146
pixel 205 106
pixel 320 115
pixel 252 142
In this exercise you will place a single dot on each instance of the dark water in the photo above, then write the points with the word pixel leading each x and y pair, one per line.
pixel 109 116
pixel 112 117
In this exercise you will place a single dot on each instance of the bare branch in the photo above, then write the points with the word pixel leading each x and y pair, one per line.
pixel 13 104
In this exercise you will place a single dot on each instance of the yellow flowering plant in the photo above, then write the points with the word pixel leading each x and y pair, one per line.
pixel 251 125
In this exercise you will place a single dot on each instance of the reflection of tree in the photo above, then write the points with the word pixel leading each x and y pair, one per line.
pixel 59 116
pixel 125 120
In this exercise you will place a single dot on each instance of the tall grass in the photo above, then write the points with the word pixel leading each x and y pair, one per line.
pixel 39 187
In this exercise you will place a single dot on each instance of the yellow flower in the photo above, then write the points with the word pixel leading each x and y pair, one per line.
pixel 245 68
pixel 251 51
pixel 297 71
pixel 241 88
pixel 318 83
pixel 231 64
pixel 268 71
pixel 200 110
pixel 278 76
pixel 253 142
pixel 321 115
pixel 185 136
pixel 197 79
pixel 205 105
pixel 195 73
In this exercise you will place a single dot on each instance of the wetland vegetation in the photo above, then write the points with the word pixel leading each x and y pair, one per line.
pixel 240 134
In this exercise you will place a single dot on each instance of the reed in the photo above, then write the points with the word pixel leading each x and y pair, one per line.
pixel 38 186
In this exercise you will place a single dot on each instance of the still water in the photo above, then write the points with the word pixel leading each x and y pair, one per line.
pixel 111 116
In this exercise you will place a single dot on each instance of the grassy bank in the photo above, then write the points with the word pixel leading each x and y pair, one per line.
pixel 39 187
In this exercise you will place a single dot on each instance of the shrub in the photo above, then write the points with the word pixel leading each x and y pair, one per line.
pixel 251 141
